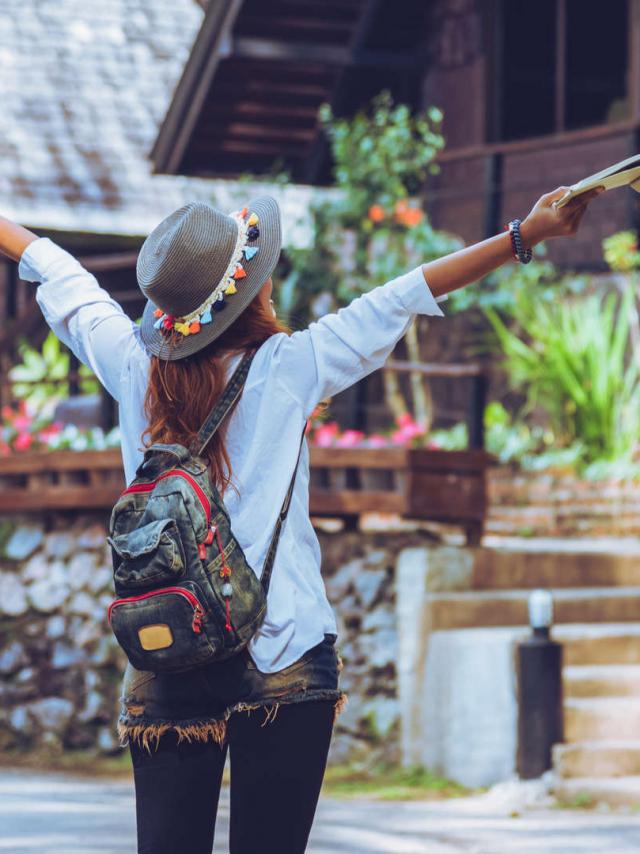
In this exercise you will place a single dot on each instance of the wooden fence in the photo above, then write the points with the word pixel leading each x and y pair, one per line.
pixel 443 486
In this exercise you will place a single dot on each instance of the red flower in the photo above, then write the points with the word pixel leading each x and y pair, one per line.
pixel 23 442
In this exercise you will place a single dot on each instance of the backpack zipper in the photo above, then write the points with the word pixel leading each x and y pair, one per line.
pixel 148 487
pixel 198 613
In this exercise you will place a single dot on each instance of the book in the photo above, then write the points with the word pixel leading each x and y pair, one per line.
pixel 626 173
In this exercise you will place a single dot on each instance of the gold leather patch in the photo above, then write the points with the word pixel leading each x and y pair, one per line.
pixel 156 636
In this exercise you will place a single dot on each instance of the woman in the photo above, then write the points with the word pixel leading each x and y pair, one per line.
pixel 274 705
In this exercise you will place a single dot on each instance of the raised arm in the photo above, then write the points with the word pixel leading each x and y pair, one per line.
pixel 14 239
pixel 342 348
pixel 78 310
pixel 474 262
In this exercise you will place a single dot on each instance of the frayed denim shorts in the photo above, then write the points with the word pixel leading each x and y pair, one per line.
pixel 198 703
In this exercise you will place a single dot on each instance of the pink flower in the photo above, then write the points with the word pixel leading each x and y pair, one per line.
pixel 377 441
pixel 325 434
pixel 411 431
pixel 399 437
pixel 22 422
pixel 51 430
pixel 23 442
pixel 349 439
pixel 404 419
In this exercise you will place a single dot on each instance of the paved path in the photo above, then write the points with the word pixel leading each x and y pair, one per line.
pixel 62 814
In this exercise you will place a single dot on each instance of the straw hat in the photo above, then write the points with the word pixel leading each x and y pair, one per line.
pixel 200 268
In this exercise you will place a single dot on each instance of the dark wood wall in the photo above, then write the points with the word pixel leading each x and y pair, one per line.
pixel 487 180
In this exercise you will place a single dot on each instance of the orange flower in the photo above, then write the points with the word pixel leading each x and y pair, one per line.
pixel 401 207
pixel 376 213
pixel 413 216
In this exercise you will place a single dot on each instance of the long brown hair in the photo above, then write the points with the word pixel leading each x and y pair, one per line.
pixel 181 393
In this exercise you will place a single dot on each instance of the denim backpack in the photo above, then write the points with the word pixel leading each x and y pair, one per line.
pixel 186 594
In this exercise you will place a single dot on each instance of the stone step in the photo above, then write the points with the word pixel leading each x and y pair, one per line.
pixel 521 568
pixel 601 718
pixel 458 610
pixel 597 759
pixel 589 791
pixel 604 643
pixel 602 680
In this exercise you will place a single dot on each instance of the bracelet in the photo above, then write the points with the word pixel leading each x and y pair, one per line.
pixel 519 252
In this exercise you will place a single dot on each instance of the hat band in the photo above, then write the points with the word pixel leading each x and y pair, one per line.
pixel 189 324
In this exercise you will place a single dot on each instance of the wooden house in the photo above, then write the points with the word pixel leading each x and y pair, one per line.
pixel 535 95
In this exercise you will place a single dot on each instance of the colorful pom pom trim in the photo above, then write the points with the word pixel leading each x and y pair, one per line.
pixel 191 324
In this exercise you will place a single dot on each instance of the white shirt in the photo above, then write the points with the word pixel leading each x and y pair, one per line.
pixel 288 377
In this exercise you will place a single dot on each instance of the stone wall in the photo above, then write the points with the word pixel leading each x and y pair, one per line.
pixel 61 667
pixel 548 504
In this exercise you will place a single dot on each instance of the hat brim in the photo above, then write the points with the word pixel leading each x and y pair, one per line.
pixel 258 270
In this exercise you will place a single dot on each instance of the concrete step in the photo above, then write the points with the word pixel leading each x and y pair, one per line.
pixel 510 607
pixel 604 643
pixel 602 680
pixel 597 759
pixel 601 718
pixel 589 791
pixel 553 565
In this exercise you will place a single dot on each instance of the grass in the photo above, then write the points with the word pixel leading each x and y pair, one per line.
pixel 80 762
pixel 581 801
pixel 390 783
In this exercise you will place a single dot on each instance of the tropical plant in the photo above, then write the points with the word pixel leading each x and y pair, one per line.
pixel 42 378
pixel 621 251
pixel 570 357
pixel 376 228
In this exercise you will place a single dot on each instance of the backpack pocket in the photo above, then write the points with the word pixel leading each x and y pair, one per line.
pixel 148 555
pixel 168 629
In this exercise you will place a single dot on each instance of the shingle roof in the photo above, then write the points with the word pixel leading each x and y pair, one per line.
pixel 84 88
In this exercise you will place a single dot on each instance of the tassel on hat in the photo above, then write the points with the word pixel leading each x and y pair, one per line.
pixel 167 323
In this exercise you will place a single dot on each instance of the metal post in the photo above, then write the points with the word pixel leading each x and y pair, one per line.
pixel 540 718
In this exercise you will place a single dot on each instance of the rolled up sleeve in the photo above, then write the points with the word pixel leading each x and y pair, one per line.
pixel 80 312
pixel 341 348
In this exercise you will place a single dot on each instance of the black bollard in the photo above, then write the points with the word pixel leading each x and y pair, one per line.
pixel 540 713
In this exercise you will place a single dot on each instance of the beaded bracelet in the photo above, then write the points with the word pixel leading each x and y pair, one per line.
pixel 520 253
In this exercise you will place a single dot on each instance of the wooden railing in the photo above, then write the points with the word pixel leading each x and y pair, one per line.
pixel 443 486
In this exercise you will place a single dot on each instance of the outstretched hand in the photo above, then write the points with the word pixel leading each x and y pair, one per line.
pixel 546 220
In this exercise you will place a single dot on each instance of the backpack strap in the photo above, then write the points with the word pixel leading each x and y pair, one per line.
pixel 265 578
pixel 228 397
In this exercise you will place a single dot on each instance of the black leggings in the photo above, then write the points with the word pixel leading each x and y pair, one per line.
pixel 277 769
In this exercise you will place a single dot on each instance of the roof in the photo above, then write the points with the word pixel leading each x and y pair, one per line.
pixel 258 73
pixel 84 90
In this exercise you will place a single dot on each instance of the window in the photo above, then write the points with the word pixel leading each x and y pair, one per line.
pixel 561 65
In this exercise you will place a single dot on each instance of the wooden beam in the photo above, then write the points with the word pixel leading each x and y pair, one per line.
pixel 42 461
pixel 433 369
pixel 254 48
pixel 354 501
pixel 367 458
pixel 561 66
pixel 106 263
pixel 492 193
pixel 633 63
pixel 320 148
pixel 552 140
pixel 280 50
pixel 192 89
